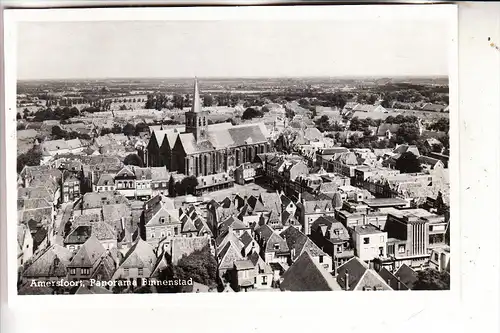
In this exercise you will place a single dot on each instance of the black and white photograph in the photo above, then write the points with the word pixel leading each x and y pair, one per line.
pixel 210 155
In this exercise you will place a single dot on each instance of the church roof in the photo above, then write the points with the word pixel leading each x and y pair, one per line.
pixel 196 98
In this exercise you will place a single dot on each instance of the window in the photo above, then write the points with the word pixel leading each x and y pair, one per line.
pixel 72 271
pixel 401 248
pixel 366 240
pixel 381 251
pixel 152 235
pixel 156 185
pixel 436 257
pixel 162 235
pixel 176 231
pixel 264 280
pixel 163 184
pixel 162 220
pixel 105 188
pixel 85 271
pixel 431 228
pixel 339 248
pixel 390 249
pixel 140 271
pixel 381 239
pixel 125 271
pixel 255 280
pixel 320 259
pixel 276 246
pixel 27 246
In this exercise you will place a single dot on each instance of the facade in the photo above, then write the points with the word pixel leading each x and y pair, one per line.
pixel 310 210
pixel 70 189
pixel 413 234
pixel 369 241
pixel 161 220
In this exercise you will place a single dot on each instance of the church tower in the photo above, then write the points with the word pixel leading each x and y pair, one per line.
pixel 196 119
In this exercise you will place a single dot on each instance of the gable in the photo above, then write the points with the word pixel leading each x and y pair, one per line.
pixel 373 281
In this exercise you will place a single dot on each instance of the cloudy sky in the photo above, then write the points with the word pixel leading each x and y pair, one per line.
pixel 124 49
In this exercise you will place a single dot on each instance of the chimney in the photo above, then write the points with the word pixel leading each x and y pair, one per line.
pixel 399 285
pixel 346 280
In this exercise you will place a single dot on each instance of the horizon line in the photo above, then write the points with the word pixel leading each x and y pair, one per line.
pixel 431 76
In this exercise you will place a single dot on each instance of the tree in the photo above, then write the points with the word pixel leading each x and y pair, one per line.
pixel 408 133
pixel 432 279
pixel 129 129
pixel 171 186
pixel 58 133
pixel 133 159
pixel 178 102
pixel 408 163
pixel 116 129
pixel 437 148
pixel 251 113
pixel 208 100
pixel 32 158
pixel 200 265
pixel 189 184
pixel 323 124
pixel 442 124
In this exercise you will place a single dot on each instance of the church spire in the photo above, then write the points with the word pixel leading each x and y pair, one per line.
pixel 196 97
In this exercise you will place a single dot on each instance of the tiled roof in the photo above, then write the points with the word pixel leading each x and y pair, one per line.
pixel 106 179
pixel 37 215
pixel 160 173
pixel 140 255
pixel 243 264
pixel 299 242
pixel 90 252
pixel 53 262
pixel 228 255
pixel 54 145
pixel 307 275
pixel 79 235
pixel 383 128
pixel 355 269
pixel 93 200
pixel 264 232
pixel 26 134
pixel 317 205
pixel 276 243
pixel 125 171
pixel 228 237
pixel 142 173
pixel 391 280
pixel 33 203
pixel 114 212
pixel 259 263
pixel 407 275
pixel 246 239
pixel 184 246
pixel 234 223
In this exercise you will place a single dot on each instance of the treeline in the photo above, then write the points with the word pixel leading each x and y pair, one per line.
pixel 58 133
pixel 52 114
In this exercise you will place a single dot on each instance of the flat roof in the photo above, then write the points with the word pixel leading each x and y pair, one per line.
pixel 381 202
pixel 367 229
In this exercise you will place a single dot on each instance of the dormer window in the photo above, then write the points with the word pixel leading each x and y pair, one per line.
pixel 162 220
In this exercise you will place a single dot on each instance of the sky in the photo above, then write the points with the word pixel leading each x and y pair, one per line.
pixel 264 48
